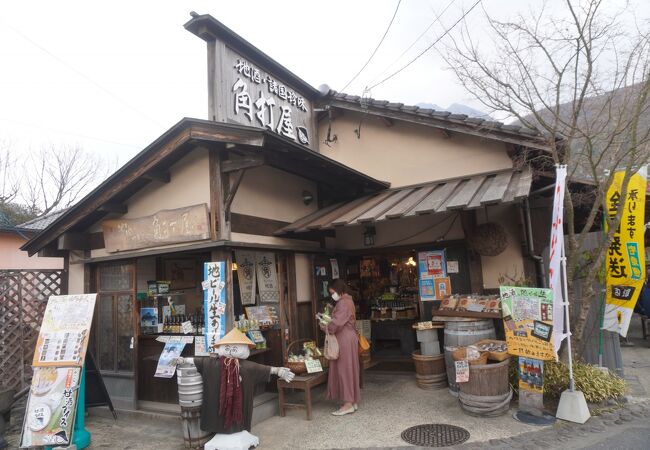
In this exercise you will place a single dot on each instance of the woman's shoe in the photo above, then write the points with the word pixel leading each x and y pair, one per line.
pixel 342 412
pixel 355 406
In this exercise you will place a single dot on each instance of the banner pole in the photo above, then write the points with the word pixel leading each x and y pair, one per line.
pixel 565 305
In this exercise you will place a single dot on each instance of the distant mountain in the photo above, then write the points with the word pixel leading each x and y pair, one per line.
pixel 457 108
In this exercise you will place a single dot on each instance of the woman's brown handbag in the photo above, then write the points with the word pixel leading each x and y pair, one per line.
pixel 364 345
pixel 331 350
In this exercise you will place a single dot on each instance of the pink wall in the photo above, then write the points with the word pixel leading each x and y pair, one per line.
pixel 11 257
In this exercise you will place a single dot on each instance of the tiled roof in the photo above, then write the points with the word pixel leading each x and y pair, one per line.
pixel 443 118
pixel 42 222
pixel 436 197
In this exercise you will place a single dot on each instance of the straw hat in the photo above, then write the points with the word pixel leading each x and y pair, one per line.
pixel 234 336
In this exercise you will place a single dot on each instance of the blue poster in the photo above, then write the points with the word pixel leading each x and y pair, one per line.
pixel 431 265
pixel 214 302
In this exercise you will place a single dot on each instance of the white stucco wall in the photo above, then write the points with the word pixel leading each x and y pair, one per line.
pixel 407 153
pixel 273 194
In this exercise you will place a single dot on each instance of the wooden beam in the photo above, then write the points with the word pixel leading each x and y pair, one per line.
pixel 242 223
pixel 233 165
pixel 292 296
pixel 232 190
pixel 156 175
pixel 80 241
pixel 118 208
pixel 47 252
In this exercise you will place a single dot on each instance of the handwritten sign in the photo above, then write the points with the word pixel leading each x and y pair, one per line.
pixel 528 321
pixel 313 366
pixel 165 227
pixel 462 371
pixel 187 327
pixel 214 303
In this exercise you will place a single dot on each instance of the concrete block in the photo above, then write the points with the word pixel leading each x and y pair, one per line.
pixel 427 335
pixel 430 348
pixel 573 407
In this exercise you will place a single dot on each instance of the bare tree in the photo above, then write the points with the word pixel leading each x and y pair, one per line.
pixel 57 176
pixel 9 185
pixel 581 78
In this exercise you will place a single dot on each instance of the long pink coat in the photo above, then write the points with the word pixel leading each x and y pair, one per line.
pixel 343 381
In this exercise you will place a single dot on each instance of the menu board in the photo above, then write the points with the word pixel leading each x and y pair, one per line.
pixel 528 321
pixel 65 330
pixel 50 412
pixel 265 315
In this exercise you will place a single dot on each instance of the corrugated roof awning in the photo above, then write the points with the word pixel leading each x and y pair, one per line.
pixel 435 197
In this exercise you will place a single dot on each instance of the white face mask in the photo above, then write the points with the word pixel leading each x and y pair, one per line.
pixel 336 297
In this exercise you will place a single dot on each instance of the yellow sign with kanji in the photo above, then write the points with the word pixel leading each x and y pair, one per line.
pixel 625 258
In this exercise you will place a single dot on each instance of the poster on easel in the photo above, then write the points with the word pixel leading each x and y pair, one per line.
pixel 214 302
pixel 50 411
pixel 65 330
pixel 267 277
pixel 246 275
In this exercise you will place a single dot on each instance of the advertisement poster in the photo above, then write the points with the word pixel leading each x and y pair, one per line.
pixel 63 338
pixel 214 302
pixel 528 321
pixel 246 276
pixel 531 375
pixel 443 287
pixel 166 367
pixel 148 317
pixel 50 411
pixel 431 265
pixel 625 259
pixel 267 277
pixel 462 371
pixel 335 268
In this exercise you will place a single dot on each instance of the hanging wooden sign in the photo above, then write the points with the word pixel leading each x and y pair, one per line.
pixel 169 226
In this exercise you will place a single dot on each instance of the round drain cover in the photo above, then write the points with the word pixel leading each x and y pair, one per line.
pixel 435 435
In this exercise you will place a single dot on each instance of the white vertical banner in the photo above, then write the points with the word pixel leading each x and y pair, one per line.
pixel 555 257
pixel 267 277
pixel 246 275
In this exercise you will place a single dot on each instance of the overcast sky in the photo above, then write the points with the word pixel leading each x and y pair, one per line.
pixel 113 76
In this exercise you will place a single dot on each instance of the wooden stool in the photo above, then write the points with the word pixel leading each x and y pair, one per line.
pixel 304 383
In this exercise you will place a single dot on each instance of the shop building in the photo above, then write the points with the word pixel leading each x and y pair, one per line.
pixel 306 183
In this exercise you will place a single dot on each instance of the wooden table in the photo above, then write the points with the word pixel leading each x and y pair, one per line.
pixel 304 383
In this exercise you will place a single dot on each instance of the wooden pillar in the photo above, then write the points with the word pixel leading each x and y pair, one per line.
pixel 292 296
pixel 219 187
pixel 282 312
pixel 468 222
pixel 225 254
pixel 314 300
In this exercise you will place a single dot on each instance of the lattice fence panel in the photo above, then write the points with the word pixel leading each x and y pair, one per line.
pixel 23 298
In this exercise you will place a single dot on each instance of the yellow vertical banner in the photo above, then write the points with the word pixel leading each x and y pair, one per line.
pixel 625 258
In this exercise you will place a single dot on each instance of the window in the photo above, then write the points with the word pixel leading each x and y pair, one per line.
pixel 114 327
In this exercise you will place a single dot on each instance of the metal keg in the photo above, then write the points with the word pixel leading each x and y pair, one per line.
pixel 190 386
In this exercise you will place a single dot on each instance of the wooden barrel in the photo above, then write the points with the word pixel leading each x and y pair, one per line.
pixel 462 334
pixel 451 370
pixel 193 435
pixel 429 371
pixel 488 392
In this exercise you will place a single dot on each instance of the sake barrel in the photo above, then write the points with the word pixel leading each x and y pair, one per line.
pixel 488 392
pixel 464 333
pixel 429 371
pixel 193 435
pixel 461 333
pixel 190 386
pixel 451 370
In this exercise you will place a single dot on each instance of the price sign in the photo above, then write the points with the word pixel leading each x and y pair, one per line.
pixel 313 366
pixel 462 371
pixel 187 327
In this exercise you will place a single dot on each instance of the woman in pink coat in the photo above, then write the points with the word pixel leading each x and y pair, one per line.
pixel 343 381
